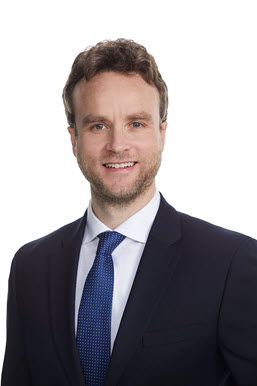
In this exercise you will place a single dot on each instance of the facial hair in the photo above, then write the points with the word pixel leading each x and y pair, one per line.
pixel 125 195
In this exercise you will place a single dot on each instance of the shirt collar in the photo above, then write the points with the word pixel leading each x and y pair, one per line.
pixel 136 227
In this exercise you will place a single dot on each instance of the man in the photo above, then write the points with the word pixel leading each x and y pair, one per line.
pixel 134 293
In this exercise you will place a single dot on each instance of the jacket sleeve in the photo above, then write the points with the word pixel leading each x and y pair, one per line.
pixel 15 368
pixel 238 316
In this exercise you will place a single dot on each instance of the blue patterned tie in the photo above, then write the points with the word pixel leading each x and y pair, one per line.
pixel 94 319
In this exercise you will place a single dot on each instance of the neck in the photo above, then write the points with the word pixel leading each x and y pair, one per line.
pixel 114 215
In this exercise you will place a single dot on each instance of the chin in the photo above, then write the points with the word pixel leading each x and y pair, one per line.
pixel 120 196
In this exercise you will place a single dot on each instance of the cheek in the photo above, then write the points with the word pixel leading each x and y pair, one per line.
pixel 151 144
pixel 87 147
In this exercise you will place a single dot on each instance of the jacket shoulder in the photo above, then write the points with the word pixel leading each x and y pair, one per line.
pixel 204 234
pixel 196 225
pixel 51 240
pixel 193 228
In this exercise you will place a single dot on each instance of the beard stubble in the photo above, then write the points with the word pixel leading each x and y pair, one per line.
pixel 125 195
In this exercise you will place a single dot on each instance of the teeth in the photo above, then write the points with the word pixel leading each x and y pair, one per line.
pixel 120 166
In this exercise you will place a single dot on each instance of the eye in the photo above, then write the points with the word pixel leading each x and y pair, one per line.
pixel 98 126
pixel 136 124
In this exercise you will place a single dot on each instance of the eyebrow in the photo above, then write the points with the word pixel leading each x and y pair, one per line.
pixel 89 118
pixel 141 115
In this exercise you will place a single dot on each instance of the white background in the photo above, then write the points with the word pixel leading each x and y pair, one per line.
pixel 206 52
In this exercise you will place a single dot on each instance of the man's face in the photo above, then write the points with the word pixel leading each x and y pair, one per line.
pixel 119 135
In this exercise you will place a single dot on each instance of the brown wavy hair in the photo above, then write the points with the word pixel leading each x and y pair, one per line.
pixel 121 55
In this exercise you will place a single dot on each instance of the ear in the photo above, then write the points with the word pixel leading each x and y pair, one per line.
pixel 163 128
pixel 73 138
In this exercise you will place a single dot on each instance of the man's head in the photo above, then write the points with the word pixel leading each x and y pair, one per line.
pixel 122 56
pixel 116 106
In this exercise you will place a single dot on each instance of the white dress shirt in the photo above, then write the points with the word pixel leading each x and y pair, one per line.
pixel 126 256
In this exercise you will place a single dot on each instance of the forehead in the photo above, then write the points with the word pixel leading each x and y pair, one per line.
pixel 115 90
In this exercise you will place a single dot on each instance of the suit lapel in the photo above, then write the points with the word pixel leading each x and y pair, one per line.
pixel 62 272
pixel 157 264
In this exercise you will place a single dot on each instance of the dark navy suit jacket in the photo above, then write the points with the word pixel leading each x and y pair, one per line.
pixel 190 320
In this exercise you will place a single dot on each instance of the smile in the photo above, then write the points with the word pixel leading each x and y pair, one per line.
pixel 122 165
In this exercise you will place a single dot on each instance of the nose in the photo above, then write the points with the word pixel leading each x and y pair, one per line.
pixel 117 141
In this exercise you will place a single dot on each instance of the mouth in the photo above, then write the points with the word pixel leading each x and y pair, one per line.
pixel 119 165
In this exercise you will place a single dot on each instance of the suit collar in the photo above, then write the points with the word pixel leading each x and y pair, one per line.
pixel 166 227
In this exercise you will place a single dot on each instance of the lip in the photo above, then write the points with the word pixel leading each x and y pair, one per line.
pixel 119 162
pixel 119 170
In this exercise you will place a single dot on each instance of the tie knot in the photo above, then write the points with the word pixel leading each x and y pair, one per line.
pixel 108 241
